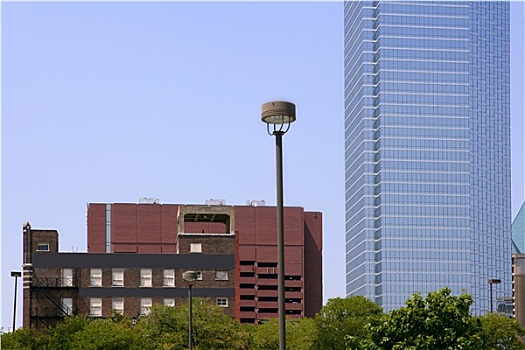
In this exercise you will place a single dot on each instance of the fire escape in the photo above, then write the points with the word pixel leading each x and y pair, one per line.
pixel 47 297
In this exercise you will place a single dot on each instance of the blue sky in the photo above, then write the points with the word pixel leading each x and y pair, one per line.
pixel 110 102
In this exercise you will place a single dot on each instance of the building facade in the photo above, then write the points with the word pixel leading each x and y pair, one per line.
pixel 518 287
pixel 98 284
pixel 427 149
pixel 138 252
pixel 518 232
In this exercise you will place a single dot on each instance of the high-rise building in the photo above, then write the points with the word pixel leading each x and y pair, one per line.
pixel 518 232
pixel 427 149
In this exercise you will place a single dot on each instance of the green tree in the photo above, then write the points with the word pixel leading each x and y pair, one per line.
pixel 439 322
pixel 108 335
pixel 21 339
pixel 300 334
pixel 342 317
pixel 80 332
pixel 168 327
pixel 498 331
pixel 61 336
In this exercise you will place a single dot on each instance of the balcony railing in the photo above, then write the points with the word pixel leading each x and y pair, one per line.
pixel 49 282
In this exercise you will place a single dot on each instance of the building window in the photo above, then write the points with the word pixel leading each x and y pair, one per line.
pixel 199 275
pixel 118 305
pixel 42 247
pixel 118 278
pixel 145 278
pixel 96 278
pixel 67 306
pixel 169 278
pixel 221 275
pixel 95 307
pixel 222 302
pixel 169 302
pixel 195 248
pixel 67 277
pixel 145 306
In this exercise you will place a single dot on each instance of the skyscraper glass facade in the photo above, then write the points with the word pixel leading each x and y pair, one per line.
pixel 427 149
pixel 518 231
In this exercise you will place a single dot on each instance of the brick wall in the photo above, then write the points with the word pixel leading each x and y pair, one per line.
pixel 153 228
pixel 210 244
pixel 144 228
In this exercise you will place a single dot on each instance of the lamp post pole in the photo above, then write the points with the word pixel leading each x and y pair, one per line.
pixel 190 320
pixel 278 116
pixel 190 277
pixel 15 274
pixel 491 282
pixel 280 239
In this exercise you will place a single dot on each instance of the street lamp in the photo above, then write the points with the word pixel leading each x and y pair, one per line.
pixel 190 277
pixel 15 274
pixel 278 115
pixel 491 282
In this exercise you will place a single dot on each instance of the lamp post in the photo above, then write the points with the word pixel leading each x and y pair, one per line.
pixel 278 115
pixel 491 282
pixel 190 277
pixel 15 274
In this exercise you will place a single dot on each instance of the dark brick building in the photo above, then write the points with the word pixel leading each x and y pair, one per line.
pixel 60 284
pixel 233 248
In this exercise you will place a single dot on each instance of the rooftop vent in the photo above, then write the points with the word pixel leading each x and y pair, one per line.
pixel 215 201
pixel 256 203
pixel 145 200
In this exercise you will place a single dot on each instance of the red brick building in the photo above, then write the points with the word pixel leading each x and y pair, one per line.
pixel 97 284
pixel 164 228
pixel 216 240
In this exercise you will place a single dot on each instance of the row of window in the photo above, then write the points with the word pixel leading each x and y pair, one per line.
pixel 421 87
pixel 410 76
pixel 117 304
pixel 422 8
pixel 423 110
pixel 145 277
pixel 430 21
pixel 418 54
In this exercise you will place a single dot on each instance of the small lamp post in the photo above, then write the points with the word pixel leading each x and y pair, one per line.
pixel 15 274
pixel 190 277
pixel 491 282
pixel 278 115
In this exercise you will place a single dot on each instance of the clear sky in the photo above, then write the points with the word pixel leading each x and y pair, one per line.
pixel 110 102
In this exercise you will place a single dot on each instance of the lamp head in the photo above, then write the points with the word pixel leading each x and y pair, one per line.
pixel 16 274
pixel 494 281
pixel 189 276
pixel 278 114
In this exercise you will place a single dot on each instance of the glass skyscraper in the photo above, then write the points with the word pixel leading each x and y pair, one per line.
pixel 518 231
pixel 427 149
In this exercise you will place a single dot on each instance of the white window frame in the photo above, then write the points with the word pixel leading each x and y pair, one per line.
pixel 145 306
pixel 95 307
pixel 95 279
pixel 221 275
pixel 199 275
pixel 196 248
pixel 40 245
pixel 222 302
pixel 67 277
pixel 146 277
pixel 117 304
pixel 169 278
pixel 169 302
pixel 117 277
pixel 67 306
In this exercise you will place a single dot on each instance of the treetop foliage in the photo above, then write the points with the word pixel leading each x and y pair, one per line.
pixel 440 321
